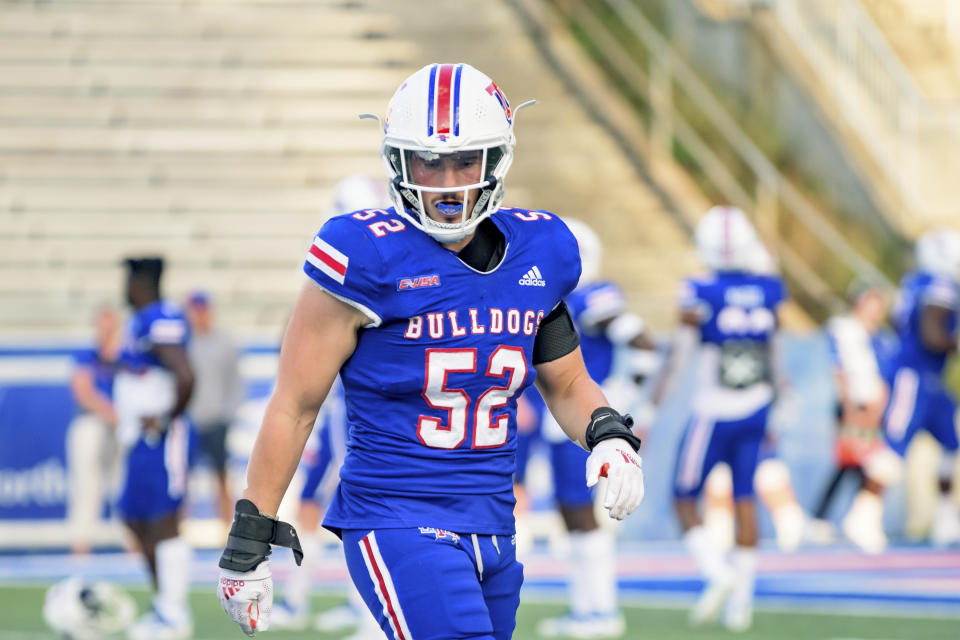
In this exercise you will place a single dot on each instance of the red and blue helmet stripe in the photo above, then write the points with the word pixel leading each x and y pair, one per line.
pixel 443 100
pixel 494 90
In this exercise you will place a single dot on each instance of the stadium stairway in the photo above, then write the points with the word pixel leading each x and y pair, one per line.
pixel 919 31
pixel 211 132
pixel 887 75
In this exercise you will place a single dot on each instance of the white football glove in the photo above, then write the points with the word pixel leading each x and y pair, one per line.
pixel 247 597
pixel 615 459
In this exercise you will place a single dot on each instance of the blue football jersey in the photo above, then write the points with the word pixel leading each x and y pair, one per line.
pixel 103 371
pixel 431 387
pixel 737 318
pixel 158 323
pixel 590 304
pixel 734 305
pixel 918 289
pixel 144 387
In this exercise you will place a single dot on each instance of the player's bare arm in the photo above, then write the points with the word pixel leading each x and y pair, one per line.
pixel 570 393
pixel 934 321
pixel 580 408
pixel 87 396
pixel 321 336
pixel 174 358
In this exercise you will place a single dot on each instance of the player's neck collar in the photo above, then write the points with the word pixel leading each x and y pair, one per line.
pixel 486 249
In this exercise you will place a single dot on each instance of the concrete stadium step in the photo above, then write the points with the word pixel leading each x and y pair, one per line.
pixel 332 50
pixel 105 282
pixel 182 200
pixel 163 227
pixel 282 252
pixel 152 22
pixel 25 79
pixel 189 111
pixel 328 139
pixel 185 111
pixel 243 171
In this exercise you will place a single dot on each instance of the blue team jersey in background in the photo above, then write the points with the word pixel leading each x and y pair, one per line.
pixel 918 289
pixel 103 370
pixel 157 323
pixel 735 305
pixel 589 304
pixel 431 387
pixel 737 314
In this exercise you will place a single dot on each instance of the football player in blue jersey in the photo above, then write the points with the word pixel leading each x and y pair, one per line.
pixel 151 391
pixel 621 358
pixel 730 316
pixel 926 321
pixel 772 479
pixel 436 313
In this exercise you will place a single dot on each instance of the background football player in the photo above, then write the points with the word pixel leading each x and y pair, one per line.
pixel 926 321
pixel 151 391
pixel 620 357
pixel 730 318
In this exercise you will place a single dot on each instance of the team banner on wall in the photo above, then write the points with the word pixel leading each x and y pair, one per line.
pixel 36 408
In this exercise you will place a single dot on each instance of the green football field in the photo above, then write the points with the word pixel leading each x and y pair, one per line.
pixel 22 620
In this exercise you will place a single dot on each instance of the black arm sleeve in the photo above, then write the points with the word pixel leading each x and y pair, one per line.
pixel 556 336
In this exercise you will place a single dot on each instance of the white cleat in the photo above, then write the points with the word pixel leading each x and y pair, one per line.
pixel 864 534
pixel 738 616
pixel 154 627
pixel 820 532
pixel 284 617
pixel 790 522
pixel 711 602
pixel 339 618
pixel 583 626
pixel 863 524
pixel 946 524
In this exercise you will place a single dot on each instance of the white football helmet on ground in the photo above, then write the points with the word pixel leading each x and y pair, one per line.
pixel 443 110
pixel 938 253
pixel 82 610
pixel 726 241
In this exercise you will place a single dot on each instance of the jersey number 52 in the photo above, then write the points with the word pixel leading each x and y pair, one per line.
pixel 488 430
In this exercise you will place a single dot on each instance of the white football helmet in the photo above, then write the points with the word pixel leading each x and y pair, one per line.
pixel 81 610
pixel 358 192
pixel 725 240
pixel 440 110
pixel 938 252
pixel 591 250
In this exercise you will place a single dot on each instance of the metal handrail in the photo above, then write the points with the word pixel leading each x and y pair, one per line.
pixel 669 67
pixel 851 49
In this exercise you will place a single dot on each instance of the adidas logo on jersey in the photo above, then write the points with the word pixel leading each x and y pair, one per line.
pixel 533 278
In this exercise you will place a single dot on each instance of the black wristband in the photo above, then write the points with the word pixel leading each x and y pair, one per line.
pixel 251 536
pixel 605 423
